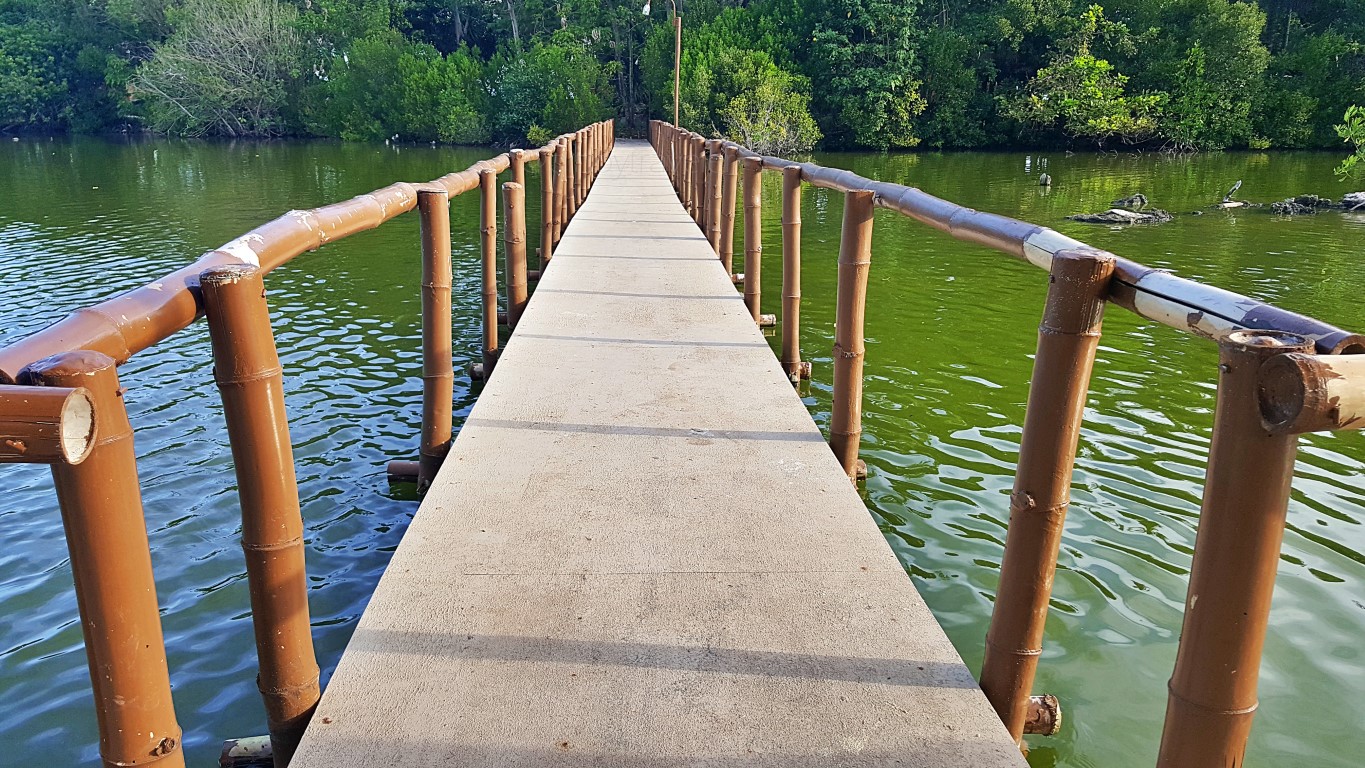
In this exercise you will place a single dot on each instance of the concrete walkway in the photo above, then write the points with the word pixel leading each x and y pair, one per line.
pixel 641 552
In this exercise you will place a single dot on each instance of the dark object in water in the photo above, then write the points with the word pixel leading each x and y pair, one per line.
pixel 1300 205
pixel 1137 201
pixel 1045 180
pixel 1122 216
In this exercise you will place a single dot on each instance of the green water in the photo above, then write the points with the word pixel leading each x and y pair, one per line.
pixel 950 338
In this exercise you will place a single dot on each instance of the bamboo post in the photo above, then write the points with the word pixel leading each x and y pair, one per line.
pixel 1313 393
pixel 438 375
pixel 675 157
pixel 584 152
pixel 547 206
pixel 1067 340
pixel 791 276
pixel 753 239
pixel 514 246
pixel 699 180
pixel 247 370
pixel 714 165
pixel 45 425
pixel 488 251
pixel 685 163
pixel 111 565
pixel 729 190
pixel 855 259
pixel 1241 524
pixel 561 189
pixel 516 162
pixel 575 151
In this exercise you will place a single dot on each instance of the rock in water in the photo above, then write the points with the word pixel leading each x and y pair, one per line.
pixel 1121 216
pixel 1298 206
pixel 1136 201
pixel 1353 200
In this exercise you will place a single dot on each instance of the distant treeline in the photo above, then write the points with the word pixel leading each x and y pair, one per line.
pixel 782 75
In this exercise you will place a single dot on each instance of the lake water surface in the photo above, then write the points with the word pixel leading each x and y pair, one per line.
pixel 951 331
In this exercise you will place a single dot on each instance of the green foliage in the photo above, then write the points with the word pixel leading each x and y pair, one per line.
pixel 1352 131
pixel 385 85
pixel 770 110
pixel 551 89
pixel 224 70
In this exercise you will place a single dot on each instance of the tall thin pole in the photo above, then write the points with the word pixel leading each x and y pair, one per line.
pixel 247 369
pixel 1067 339
pixel 111 564
pixel 791 275
pixel 855 259
pixel 488 251
pixel 1212 696
pixel 677 63
pixel 514 249
pixel 753 234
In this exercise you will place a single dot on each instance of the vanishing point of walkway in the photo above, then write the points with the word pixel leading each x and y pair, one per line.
pixel 641 552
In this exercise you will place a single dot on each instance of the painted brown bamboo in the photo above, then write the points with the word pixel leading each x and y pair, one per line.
pixel 855 260
pixel 574 149
pixel 45 425
pixel 584 158
pixel 1313 393
pixel 753 235
pixel 488 251
pixel 438 375
pixel 714 167
pixel 728 192
pixel 111 565
pixel 517 164
pixel 547 206
pixel 514 250
pixel 1212 692
pixel 247 371
pixel 1067 339
pixel 561 189
pixel 699 180
pixel 791 276
pixel 687 166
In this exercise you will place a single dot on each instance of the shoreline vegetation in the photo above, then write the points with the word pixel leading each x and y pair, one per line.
pixel 782 76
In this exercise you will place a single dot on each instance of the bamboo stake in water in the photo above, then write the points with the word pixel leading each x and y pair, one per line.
pixel 855 259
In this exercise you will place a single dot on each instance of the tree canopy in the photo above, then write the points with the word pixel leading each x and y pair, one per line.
pixel 782 75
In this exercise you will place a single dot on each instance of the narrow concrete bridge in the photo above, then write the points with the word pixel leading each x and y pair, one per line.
pixel 590 579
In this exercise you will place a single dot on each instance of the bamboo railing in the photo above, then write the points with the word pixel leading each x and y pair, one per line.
pixel 61 404
pixel 1280 374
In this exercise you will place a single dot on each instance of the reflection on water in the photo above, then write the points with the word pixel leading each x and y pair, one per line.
pixel 951 334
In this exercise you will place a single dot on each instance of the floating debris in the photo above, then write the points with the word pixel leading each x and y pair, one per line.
pixel 1300 205
pixel 1123 216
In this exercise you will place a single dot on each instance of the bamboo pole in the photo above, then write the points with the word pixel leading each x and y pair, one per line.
pixel 574 147
pixel 753 240
pixel 561 189
pixel 855 259
pixel 714 166
pixel 45 425
pixel 699 180
pixel 547 207
pixel 688 166
pixel 517 164
pixel 488 251
pixel 791 276
pixel 584 158
pixel 514 246
pixel 728 193
pixel 247 370
pixel 1067 340
pixel 1313 393
pixel 1241 525
pixel 111 565
pixel 438 375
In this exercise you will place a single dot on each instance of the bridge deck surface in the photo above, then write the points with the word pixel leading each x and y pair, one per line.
pixel 641 551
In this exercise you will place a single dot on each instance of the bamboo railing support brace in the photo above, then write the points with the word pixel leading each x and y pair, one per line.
pixel 247 370
pixel 855 259
pixel 791 276
pixel 488 252
pixel 514 250
pixel 1067 339
pixel 728 193
pixel 111 565
pixel 1236 551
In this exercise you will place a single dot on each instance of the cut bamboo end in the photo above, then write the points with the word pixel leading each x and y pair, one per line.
pixel 46 425
pixel 402 471
pixel 767 321
pixel 1044 715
